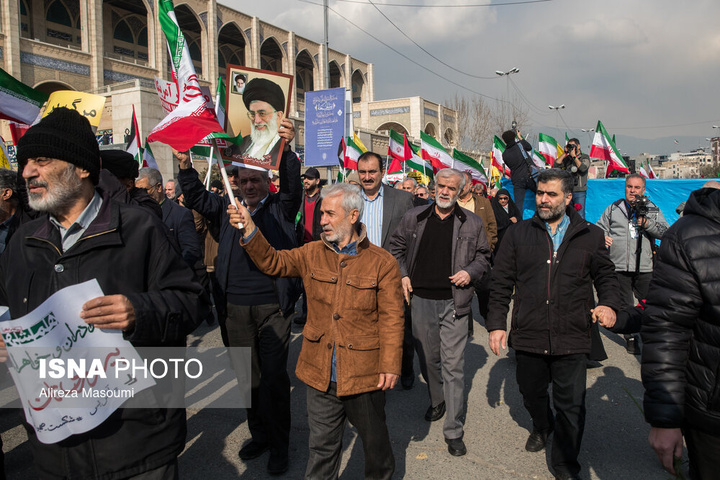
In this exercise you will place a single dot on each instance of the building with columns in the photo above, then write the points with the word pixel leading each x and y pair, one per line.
pixel 116 48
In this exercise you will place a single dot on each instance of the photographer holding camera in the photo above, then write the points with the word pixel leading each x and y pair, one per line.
pixel 578 164
pixel 631 226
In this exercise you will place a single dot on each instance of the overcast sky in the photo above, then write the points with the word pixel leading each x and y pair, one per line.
pixel 647 68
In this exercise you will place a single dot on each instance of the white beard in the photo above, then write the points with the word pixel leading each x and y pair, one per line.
pixel 62 195
pixel 263 140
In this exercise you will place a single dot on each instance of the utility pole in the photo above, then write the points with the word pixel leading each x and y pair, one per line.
pixel 325 44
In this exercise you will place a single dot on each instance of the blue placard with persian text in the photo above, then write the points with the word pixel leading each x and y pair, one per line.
pixel 324 126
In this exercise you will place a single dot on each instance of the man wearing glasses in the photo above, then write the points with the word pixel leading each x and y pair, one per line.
pixel 265 103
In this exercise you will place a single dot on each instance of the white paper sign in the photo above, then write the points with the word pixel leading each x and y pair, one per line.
pixel 53 336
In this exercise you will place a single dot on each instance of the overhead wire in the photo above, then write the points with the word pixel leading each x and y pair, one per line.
pixel 405 56
pixel 423 49
pixel 438 5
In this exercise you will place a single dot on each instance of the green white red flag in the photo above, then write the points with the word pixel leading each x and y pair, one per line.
pixel 548 148
pixel 603 148
pixel 351 154
pixel 191 120
pixel 399 146
pixel 465 163
pixel 134 147
pixel 19 102
pixel 433 152
pixel 148 157
pixel 419 164
pixel 497 156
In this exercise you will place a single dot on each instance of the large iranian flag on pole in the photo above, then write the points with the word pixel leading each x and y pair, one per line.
pixel 399 147
pixel 497 156
pixel 434 152
pixel 191 120
pixel 18 102
pixel 465 163
pixel 603 148
pixel 548 148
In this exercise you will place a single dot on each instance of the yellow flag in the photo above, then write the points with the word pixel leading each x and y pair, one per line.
pixel 88 105
pixel 4 158
pixel 360 145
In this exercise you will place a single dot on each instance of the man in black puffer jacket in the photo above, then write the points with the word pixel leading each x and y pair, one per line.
pixel 681 334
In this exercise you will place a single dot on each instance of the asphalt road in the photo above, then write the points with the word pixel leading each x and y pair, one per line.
pixel 614 445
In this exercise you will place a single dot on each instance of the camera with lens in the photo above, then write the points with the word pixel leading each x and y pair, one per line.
pixel 641 205
pixel 570 147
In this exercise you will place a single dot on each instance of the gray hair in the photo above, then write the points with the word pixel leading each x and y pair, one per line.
pixel 8 179
pixel 352 199
pixel 152 174
pixel 411 179
pixel 452 172
pixel 635 175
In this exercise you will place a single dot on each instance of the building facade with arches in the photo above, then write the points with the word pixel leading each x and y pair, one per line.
pixel 116 48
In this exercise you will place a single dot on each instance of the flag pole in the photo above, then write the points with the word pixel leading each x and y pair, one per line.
pixel 225 178
pixel 210 164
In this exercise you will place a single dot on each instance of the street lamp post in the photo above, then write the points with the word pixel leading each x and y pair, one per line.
pixel 557 108
pixel 589 131
pixel 507 74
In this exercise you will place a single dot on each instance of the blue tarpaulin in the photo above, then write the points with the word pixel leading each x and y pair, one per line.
pixel 667 194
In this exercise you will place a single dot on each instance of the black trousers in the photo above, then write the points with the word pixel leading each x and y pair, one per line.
pixel 264 328
pixel 326 418
pixel 408 354
pixel 568 375
pixel 636 284
pixel 520 186
pixel 703 453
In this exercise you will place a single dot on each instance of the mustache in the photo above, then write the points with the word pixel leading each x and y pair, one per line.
pixel 36 183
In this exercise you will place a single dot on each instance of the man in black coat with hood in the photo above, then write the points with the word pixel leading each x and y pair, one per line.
pixel 681 337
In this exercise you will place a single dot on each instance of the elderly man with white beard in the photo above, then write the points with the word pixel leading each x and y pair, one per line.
pixel 441 249
pixel 265 103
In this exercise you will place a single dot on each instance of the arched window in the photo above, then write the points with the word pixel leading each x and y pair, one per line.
pixel 142 38
pixel 57 13
pixel 123 33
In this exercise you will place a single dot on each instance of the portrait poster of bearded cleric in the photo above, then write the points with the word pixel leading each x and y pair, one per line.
pixel 255 113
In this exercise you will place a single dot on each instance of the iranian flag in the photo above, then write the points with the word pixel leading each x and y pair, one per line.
pixel 342 174
pixel 17 130
pixel 465 163
pixel 419 164
pixel 133 146
pixel 191 120
pixel 399 147
pixel 538 159
pixel 650 170
pixel 642 171
pixel 548 148
pixel 603 148
pixel 497 156
pixel 18 102
pixel 434 152
pixel 220 101
pixel 351 154
pixel 148 159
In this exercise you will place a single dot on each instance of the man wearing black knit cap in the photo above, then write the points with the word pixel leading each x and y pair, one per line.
pixel 265 103
pixel 80 235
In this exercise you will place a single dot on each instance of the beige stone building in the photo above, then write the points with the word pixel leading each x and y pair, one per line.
pixel 116 48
